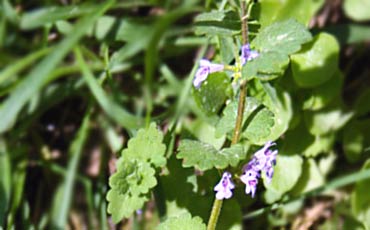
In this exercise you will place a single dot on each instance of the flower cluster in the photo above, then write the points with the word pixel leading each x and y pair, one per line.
pixel 206 67
pixel 262 162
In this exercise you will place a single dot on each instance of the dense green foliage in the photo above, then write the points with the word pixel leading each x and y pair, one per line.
pixel 100 124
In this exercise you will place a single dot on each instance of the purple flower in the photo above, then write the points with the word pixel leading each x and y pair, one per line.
pixel 250 179
pixel 205 68
pixel 262 161
pixel 224 187
pixel 248 54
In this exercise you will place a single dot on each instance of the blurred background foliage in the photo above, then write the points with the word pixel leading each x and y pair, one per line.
pixel 79 78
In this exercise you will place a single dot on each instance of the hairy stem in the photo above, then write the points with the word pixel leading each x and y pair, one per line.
pixel 217 204
pixel 244 20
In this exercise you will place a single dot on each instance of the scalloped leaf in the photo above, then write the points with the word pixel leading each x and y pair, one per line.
pixel 284 37
pixel 146 146
pixel 123 206
pixel 133 177
pixel 205 156
pixel 258 121
pixel 227 122
pixel 260 127
pixel 183 222
pixel 129 186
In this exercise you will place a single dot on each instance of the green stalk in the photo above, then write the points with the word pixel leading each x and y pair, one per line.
pixel 217 204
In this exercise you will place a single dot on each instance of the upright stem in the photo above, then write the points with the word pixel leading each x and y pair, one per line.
pixel 244 22
pixel 239 118
pixel 217 204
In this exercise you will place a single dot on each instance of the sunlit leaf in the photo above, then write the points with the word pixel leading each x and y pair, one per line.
pixel 204 156
pixel 212 94
pixel 185 221
pixel 317 62
pixel 284 37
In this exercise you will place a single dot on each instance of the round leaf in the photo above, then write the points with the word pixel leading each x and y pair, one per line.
pixel 316 62
pixel 286 173
pixel 357 10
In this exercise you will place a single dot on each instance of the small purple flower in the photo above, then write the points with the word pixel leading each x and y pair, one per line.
pixel 248 54
pixel 250 179
pixel 224 187
pixel 205 68
pixel 262 161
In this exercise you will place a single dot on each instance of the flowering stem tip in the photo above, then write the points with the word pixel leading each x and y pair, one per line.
pixel 262 162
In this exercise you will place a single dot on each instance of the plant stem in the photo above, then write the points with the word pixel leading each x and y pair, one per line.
pixel 216 209
pixel 239 118
pixel 244 20
pixel 217 204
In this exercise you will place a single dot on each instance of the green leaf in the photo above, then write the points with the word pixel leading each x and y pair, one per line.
pixel 5 183
pixel 300 141
pixel 227 48
pixel 353 142
pixel 321 96
pixel 211 96
pixel 271 11
pixel 39 75
pixel 133 177
pixel 329 119
pixel 36 18
pixel 284 37
pixel 147 147
pixel 321 144
pixel 310 179
pixel 267 66
pixel 260 127
pixel 121 206
pixel 280 103
pixel 360 199
pixel 204 156
pixel 217 23
pixel 317 62
pixel 357 9
pixel 205 132
pixel 286 174
pixel 182 222
pixel 227 122
pixel 103 26
pixel 258 121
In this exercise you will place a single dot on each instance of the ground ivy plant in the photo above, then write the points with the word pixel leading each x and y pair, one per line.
pixel 268 95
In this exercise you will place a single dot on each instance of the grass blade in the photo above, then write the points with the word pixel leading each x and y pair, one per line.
pixel 113 110
pixel 63 197
pixel 37 78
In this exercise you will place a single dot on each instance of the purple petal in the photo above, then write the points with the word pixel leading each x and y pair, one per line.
pixel 205 68
pixel 224 187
